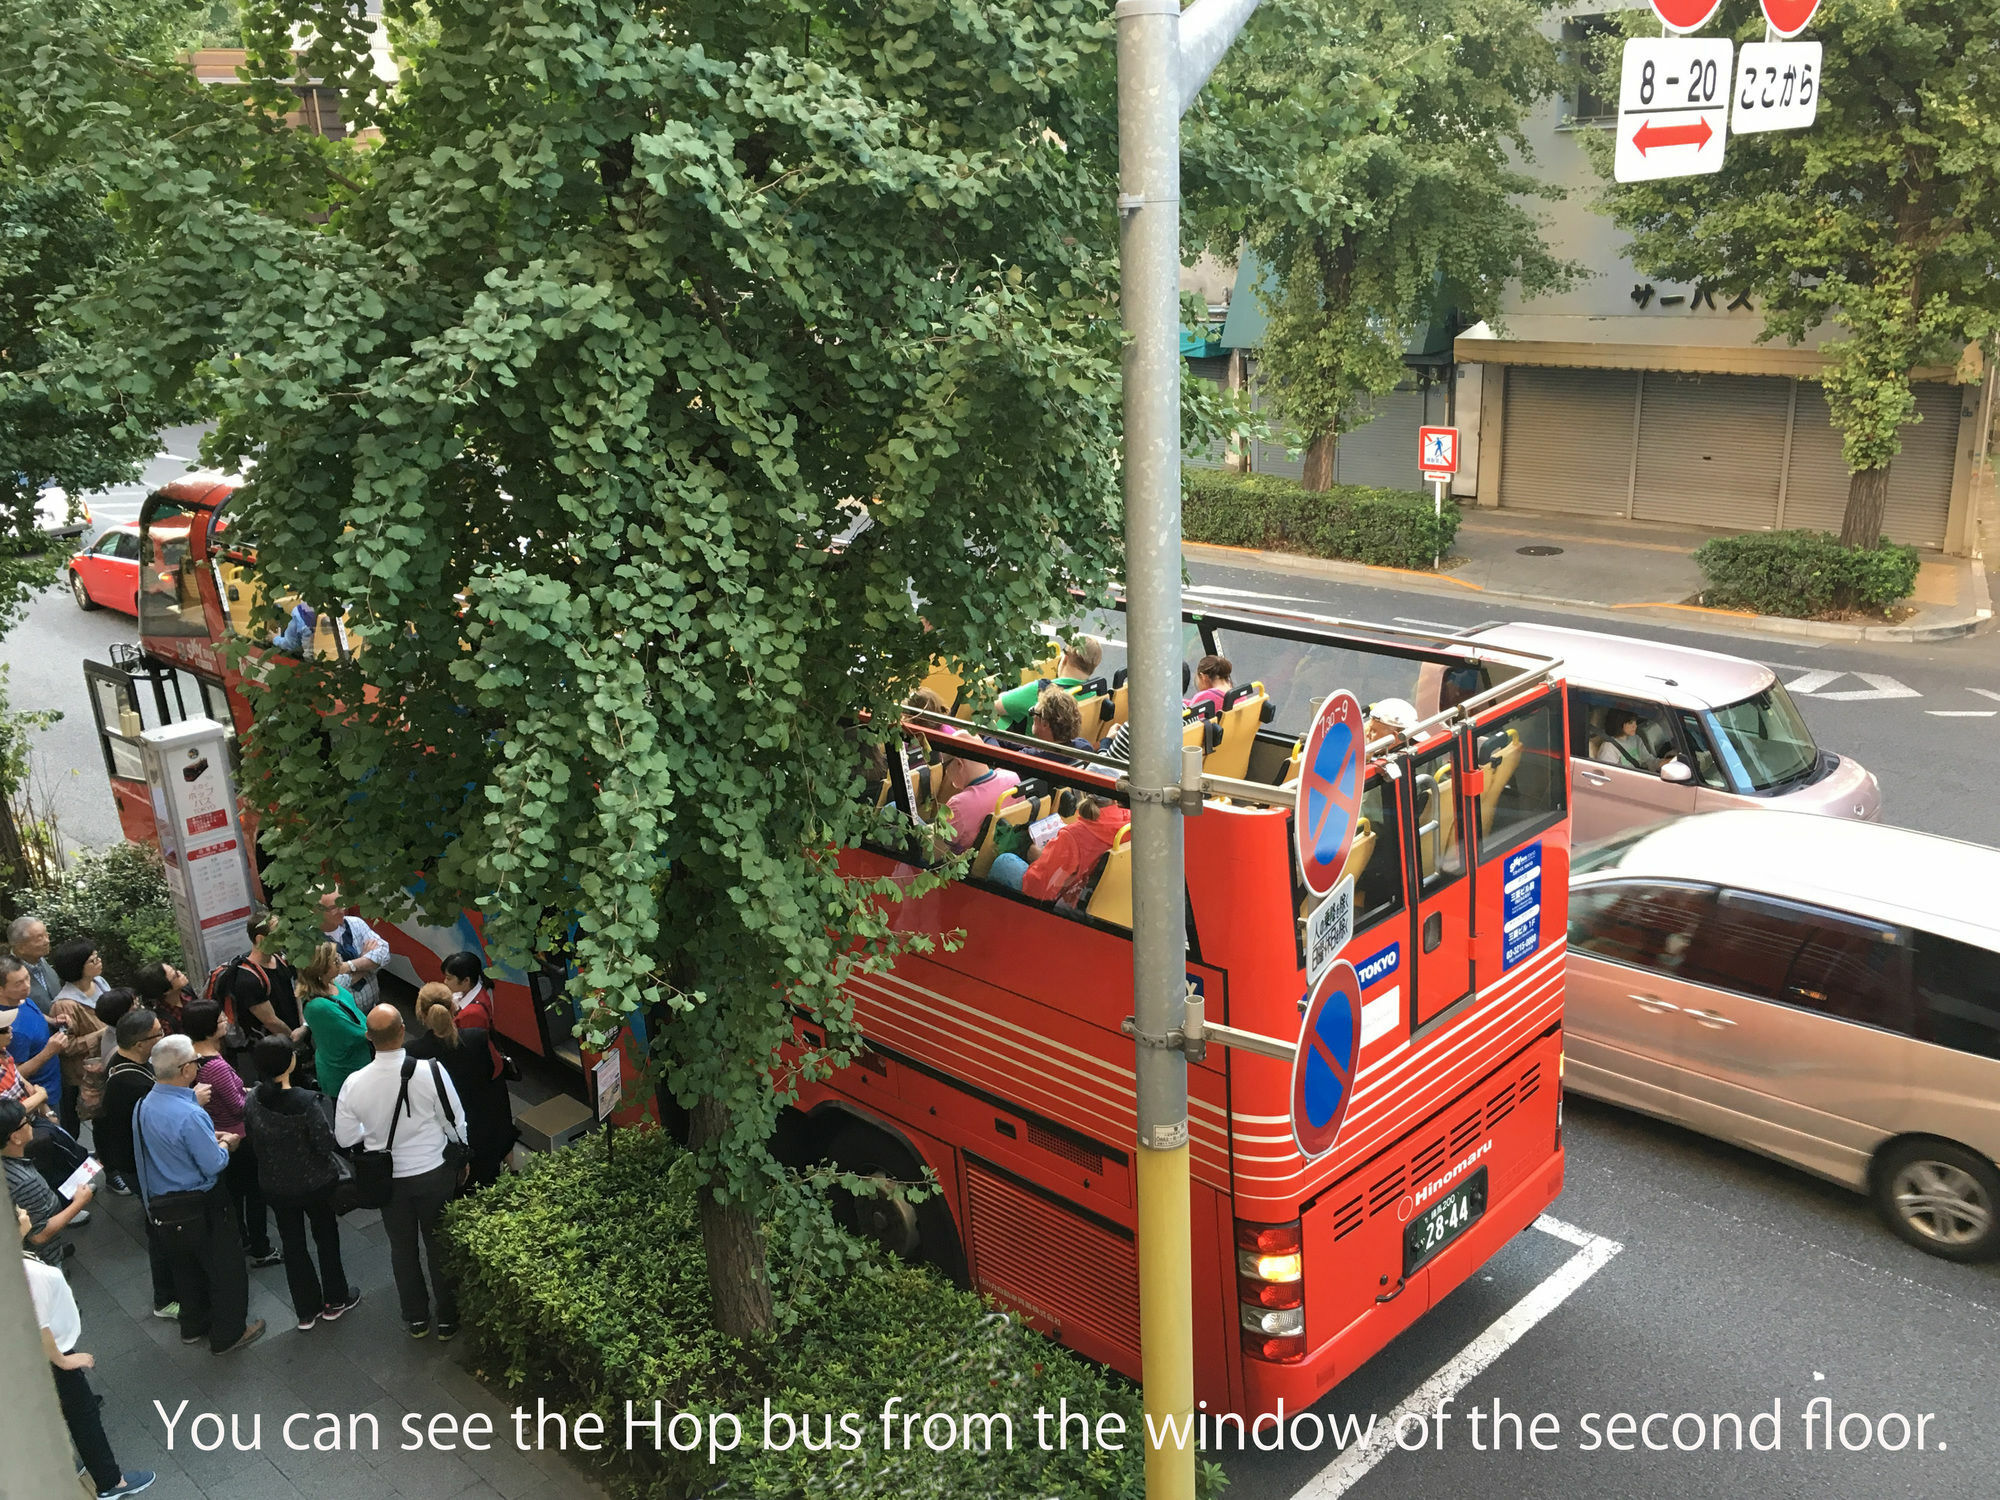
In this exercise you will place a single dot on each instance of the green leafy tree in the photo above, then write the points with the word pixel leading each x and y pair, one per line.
pixel 633 309
pixel 1881 220
pixel 1369 153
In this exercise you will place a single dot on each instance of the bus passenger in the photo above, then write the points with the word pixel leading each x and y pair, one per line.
pixel 1213 678
pixel 1079 661
pixel 1057 871
pixel 1058 721
pixel 971 791
pixel 297 636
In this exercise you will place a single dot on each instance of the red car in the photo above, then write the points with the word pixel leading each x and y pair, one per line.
pixel 106 575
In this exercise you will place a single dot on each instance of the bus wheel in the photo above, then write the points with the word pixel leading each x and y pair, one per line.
pixel 79 593
pixel 1941 1198
pixel 915 1231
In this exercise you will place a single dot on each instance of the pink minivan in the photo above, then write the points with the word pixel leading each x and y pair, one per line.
pixel 1656 731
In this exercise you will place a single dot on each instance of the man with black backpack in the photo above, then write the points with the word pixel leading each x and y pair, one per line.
pixel 258 989
pixel 409 1113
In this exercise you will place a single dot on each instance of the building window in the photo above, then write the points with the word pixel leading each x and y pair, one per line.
pixel 1591 58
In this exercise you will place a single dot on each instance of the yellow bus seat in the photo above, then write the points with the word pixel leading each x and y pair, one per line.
pixel 1015 810
pixel 1445 839
pixel 1112 900
pixel 1500 770
pixel 1243 709
pixel 946 683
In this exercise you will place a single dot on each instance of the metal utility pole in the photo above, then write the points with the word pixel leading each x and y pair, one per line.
pixel 1164 57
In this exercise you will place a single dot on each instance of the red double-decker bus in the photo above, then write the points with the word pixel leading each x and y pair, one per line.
pixel 1000 1062
pixel 199 589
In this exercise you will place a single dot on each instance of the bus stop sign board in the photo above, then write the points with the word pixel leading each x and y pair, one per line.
pixel 1329 798
pixel 1329 1049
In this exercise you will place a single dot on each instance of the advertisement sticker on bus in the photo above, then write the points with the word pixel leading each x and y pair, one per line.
pixel 1328 813
pixel 1521 905
pixel 1323 1069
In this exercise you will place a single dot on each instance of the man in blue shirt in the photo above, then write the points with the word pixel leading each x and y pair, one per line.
pixel 33 1045
pixel 177 1149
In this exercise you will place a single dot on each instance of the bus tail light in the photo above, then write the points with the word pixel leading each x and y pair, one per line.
pixel 1271 1291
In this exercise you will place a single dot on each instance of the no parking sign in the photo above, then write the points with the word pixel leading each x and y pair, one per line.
pixel 1329 797
pixel 1323 1070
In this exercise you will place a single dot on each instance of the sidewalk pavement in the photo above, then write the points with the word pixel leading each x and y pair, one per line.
pixel 363 1363
pixel 1642 569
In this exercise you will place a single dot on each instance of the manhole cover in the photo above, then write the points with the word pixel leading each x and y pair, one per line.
pixel 1540 549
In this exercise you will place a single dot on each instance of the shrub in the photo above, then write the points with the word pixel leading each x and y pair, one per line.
pixel 1804 574
pixel 116 897
pixel 1389 528
pixel 585 1283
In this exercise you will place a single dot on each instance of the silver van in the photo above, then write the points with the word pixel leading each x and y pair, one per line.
pixel 1661 731
pixel 1820 990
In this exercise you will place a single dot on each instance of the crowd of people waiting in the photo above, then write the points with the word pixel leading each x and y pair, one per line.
pixel 271 1092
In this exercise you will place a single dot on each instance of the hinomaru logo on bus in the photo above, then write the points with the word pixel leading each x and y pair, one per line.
pixel 1413 1201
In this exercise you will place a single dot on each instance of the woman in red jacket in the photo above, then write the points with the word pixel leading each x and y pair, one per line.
pixel 1057 870
pixel 472 993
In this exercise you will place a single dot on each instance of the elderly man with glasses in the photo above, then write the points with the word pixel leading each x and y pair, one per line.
pixel 181 1158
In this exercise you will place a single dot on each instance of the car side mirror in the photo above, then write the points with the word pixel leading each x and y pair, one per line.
pixel 1677 772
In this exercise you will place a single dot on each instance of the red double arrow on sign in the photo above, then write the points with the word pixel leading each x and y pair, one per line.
pixel 1649 135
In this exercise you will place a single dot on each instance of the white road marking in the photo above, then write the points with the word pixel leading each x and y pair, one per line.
pixel 1879 687
pixel 1427 624
pixel 1594 1252
pixel 1223 593
pixel 1987 693
pixel 1962 713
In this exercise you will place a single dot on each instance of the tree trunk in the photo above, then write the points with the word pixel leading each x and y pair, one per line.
pixel 14 868
pixel 1319 462
pixel 1867 498
pixel 739 1281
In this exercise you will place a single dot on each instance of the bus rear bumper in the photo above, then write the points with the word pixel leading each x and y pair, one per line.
pixel 1302 1384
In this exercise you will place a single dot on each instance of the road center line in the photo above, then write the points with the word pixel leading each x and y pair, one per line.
pixel 1594 1252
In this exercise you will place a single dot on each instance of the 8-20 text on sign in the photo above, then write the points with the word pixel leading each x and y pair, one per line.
pixel 1673 107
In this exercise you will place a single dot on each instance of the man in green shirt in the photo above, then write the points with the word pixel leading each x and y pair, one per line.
pixel 1013 708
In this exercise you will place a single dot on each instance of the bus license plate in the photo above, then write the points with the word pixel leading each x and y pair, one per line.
pixel 1444 1221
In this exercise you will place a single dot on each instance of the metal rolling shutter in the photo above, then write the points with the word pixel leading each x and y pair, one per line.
pixel 1383 450
pixel 1711 448
pixel 1919 477
pixel 1568 440
pixel 1216 372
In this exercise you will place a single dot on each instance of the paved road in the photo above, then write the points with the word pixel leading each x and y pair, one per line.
pixel 1737 1282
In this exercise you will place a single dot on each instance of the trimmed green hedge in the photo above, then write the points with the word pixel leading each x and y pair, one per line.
pixel 585 1283
pixel 1804 574
pixel 1389 528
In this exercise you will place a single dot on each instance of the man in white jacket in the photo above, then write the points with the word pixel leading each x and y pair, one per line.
pixel 412 1111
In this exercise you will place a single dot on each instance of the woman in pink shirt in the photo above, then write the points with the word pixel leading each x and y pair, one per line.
pixel 202 1021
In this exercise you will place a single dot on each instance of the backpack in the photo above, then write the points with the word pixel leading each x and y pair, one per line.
pixel 234 1037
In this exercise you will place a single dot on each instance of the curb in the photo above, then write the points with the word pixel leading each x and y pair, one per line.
pixel 1369 575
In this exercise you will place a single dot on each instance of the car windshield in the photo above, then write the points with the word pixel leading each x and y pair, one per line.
pixel 1763 741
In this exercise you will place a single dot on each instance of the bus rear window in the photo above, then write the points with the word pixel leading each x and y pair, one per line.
pixel 1526 775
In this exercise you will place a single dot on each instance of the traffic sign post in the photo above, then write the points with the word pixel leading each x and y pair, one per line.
pixel 1673 107
pixel 1777 86
pixel 1437 457
pixel 1327 813
pixel 1324 1066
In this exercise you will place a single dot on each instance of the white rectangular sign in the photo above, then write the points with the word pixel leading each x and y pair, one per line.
pixel 201 843
pixel 1673 107
pixel 610 1084
pixel 1328 927
pixel 1777 87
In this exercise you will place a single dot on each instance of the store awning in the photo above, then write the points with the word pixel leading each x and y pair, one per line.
pixel 1694 344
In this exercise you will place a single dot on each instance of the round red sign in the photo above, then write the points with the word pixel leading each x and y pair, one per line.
pixel 1328 811
pixel 1685 15
pixel 1329 1053
pixel 1789 17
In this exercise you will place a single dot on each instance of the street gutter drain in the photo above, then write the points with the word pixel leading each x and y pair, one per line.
pixel 1540 549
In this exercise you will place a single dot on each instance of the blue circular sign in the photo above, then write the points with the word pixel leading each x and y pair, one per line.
pixel 1329 1050
pixel 1328 812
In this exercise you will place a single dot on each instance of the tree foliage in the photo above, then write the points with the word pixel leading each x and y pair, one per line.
pixel 559 393
pixel 1881 220
pixel 1369 153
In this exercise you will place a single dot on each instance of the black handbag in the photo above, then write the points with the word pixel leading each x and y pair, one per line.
pixel 177 1218
pixel 375 1171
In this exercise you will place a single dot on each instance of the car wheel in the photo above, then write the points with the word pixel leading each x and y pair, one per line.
pixel 79 593
pixel 915 1231
pixel 1941 1198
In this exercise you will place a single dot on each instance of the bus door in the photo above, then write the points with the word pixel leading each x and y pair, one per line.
pixel 1442 889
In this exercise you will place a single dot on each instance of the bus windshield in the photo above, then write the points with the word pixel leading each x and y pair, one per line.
pixel 1763 741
